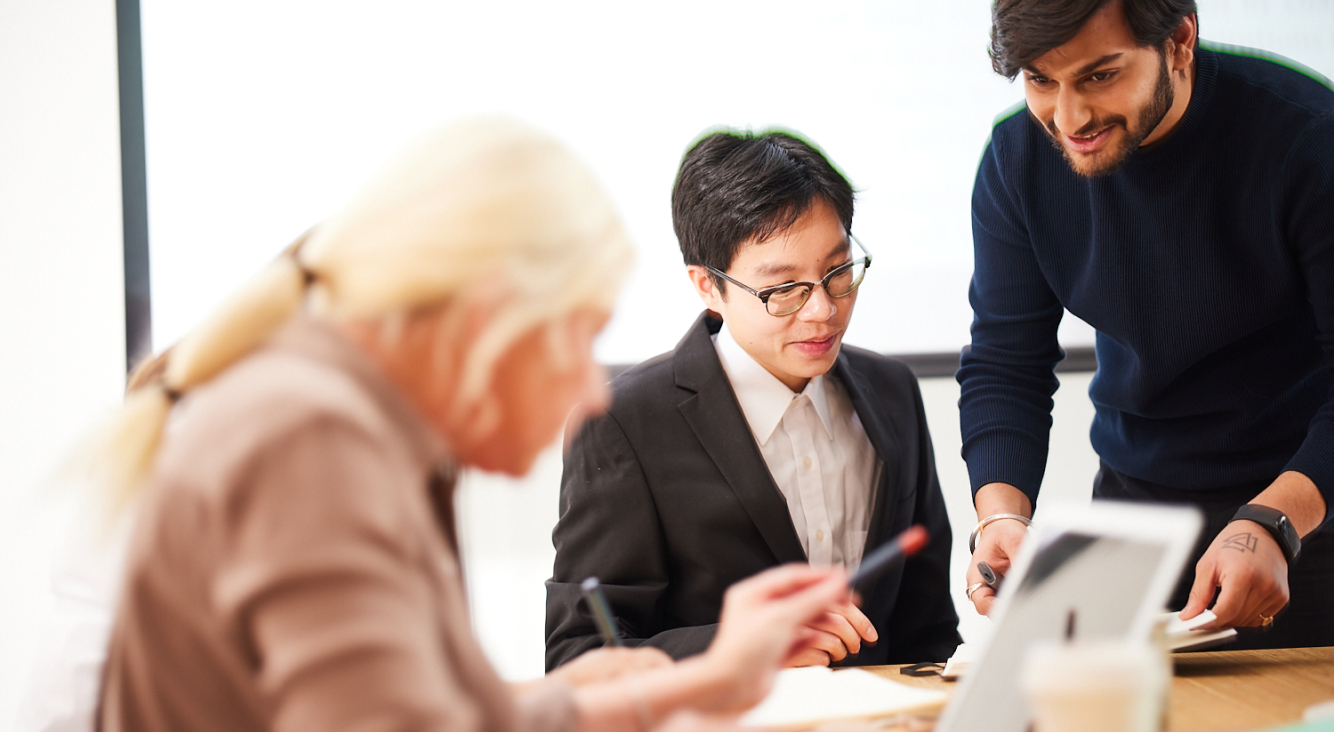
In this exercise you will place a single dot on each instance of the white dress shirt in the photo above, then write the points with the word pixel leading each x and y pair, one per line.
pixel 816 450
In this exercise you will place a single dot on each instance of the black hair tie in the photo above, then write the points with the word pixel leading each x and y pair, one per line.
pixel 293 250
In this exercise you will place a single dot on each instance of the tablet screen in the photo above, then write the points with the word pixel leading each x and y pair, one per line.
pixel 1101 574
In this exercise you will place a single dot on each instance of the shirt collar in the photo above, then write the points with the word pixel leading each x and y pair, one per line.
pixel 763 398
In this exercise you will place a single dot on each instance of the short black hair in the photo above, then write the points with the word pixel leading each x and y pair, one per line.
pixel 1024 30
pixel 735 187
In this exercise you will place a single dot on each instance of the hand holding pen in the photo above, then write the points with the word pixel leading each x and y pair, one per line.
pixel 761 621
pixel 989 579
pixel 1003 513
pixel 990 562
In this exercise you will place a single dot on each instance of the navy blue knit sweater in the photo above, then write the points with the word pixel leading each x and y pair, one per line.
pixel 1206 264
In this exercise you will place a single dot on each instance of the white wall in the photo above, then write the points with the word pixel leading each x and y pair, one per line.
pixel 263 116
pixel 62 332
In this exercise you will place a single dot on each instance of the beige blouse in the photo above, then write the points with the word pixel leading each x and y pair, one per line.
pixel 294 565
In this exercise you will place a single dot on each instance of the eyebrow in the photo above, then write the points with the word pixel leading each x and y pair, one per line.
pixel 1085 69
pixel 774 269
pixel 1089 67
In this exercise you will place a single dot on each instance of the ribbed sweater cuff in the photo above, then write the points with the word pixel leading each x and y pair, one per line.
pixel 1014 460
pixel 1315 460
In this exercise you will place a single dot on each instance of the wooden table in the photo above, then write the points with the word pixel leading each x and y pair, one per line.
pixel 1227 690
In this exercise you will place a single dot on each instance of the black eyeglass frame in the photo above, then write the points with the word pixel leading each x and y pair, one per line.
pixel 769 292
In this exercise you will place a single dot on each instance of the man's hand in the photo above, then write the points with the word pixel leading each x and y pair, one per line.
pixel 763 623
pixel 999 541
pixel 997 546
pixel 833 636
pixel 1246 562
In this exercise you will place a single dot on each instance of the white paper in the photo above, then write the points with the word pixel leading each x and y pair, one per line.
pixel 806 696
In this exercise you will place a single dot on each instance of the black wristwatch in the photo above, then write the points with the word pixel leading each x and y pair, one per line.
pixel 1276 523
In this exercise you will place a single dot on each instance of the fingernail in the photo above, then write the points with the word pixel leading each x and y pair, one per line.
pixel 871 635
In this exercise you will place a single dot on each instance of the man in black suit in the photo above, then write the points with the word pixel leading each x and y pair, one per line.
pixel 759 440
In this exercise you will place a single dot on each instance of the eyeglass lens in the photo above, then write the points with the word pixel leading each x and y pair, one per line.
pixel 841 284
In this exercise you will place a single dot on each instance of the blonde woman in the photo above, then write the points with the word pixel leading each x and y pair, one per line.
pixel 294 564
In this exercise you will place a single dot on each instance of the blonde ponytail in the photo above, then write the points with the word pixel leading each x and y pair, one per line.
pixel 237 328
pixel 484 210
pixel 123 452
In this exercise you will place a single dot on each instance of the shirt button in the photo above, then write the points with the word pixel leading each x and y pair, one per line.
pixel 806 462
pixel 819 535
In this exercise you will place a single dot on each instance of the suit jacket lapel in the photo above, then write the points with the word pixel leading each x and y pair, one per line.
pixel 714 415
pixel 886 443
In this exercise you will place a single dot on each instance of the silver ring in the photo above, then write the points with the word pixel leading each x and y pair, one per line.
pixel 968 593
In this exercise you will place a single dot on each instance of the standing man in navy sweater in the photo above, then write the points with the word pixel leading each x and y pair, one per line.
pixel 1179 197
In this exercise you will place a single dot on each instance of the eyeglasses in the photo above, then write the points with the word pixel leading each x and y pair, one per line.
pixel 786 299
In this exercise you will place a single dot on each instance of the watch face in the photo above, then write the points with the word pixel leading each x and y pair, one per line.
pixel 1290 541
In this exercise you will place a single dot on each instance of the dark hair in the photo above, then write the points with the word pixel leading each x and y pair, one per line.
pixel 735 187
pixel 1023 30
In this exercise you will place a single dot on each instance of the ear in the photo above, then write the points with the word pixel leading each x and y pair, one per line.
pixel 1182 48
pixel 705 287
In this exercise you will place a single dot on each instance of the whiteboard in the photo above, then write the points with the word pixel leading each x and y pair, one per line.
pixel 263 117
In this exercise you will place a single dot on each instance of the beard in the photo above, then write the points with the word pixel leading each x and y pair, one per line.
pixel 1108 160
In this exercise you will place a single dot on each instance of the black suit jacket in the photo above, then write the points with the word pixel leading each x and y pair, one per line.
pixel 668 501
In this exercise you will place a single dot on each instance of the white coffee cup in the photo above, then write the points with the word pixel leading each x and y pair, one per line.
pixel 1095 686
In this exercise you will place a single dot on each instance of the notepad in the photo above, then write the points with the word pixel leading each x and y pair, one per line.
pixel 963 657
pixel 804 697
pixel 1182 635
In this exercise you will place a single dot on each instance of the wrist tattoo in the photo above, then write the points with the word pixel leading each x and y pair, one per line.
pixel 1241 542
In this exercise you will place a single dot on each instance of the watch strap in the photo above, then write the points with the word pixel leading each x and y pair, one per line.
pixel 1276 523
